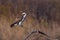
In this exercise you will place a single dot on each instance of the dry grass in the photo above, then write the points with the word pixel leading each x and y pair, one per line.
pixel 10 11
pixel 19 33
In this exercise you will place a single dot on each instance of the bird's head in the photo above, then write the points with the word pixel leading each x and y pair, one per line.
pixel 23 13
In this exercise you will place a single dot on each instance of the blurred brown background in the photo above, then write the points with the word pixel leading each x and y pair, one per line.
pixel 43 15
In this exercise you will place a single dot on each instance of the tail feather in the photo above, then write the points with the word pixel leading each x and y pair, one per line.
pixel 12 25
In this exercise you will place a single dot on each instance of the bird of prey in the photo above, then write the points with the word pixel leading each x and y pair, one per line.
pixel 19 22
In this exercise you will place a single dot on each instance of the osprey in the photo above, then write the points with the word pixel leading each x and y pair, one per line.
pixel 19 22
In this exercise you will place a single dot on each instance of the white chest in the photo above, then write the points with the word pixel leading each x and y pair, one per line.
pixel 20 23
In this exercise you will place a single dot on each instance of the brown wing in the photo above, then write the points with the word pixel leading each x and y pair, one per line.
pixel 17 22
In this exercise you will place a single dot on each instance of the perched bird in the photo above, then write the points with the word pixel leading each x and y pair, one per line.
pixel 19 22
